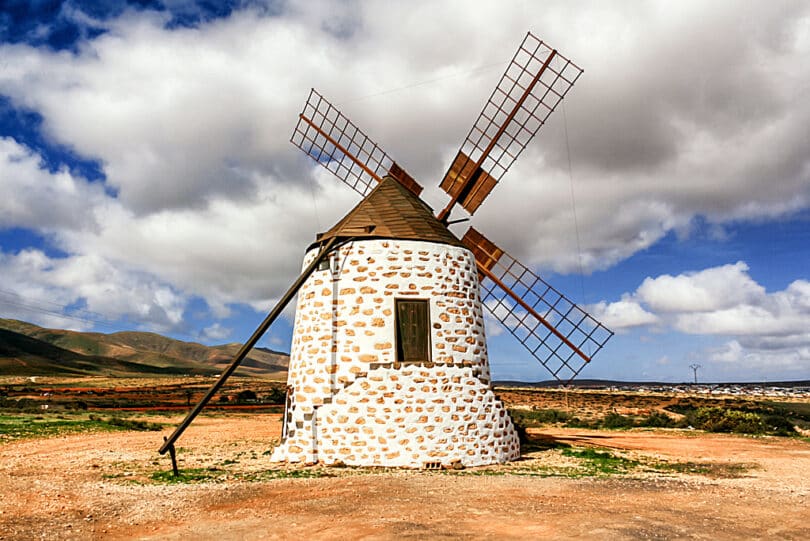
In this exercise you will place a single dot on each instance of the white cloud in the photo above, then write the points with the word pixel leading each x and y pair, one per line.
pixel 792 361
pixel 730 352
pixel 663 361
pixel 739 320
pixel 708 290
pixel 623 314
pixel 191 127
pixel 216 332
pixel 41 287
pixel 182 116
pixel 35 198
pixel 766 329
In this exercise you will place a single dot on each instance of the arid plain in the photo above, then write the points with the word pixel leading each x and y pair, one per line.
pixel 67 472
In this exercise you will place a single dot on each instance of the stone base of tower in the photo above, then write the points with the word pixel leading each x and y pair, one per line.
pixel 408 417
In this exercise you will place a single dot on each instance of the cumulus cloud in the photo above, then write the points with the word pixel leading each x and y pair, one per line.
pixel 622 314
pixel 764 328
pixel 226 253
pixel 191 125
pixel 216 333
pixel 782 314
pixel 709 290
pixel 35 198
pixel 655 141
pixel 735 355
pixel 82 286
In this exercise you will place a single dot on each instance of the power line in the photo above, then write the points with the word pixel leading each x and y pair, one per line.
pixel 87 317
pixel 426 82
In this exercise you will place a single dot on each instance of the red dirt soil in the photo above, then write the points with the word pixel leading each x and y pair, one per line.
pixel 97 486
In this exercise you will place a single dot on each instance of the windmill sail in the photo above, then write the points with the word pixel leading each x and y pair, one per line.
pixel 537 79
pixel 558 333
pixel 332 140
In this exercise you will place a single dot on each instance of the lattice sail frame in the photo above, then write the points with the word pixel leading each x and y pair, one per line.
pixel 557 332
pixel 564 338
pixel 335 142
pixel 537 79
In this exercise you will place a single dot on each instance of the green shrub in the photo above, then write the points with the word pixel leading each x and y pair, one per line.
pixel 657 419
pixel 616 420
pixel 276 396
pixel 779 425
pixel 246 396
pixel 538 417
pixel 726 420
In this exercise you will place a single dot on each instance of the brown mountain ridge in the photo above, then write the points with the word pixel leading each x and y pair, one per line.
pixel 27 349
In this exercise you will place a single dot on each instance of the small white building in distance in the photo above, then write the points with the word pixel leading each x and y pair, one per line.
pixel 388 365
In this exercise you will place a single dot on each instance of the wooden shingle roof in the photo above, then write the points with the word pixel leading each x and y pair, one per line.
pixel 391 211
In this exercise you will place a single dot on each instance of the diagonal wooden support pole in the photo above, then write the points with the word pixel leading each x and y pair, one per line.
pixel 168 443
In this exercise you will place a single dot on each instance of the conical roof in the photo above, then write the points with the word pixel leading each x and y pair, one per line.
pixel 391 211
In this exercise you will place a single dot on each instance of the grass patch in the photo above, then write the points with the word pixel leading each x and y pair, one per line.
pixel 539 471
pixel 293 474
pixel 218 475
pixel 582 462
pixel 24 426
pixel 717 470
pixel 191 475
pixel 601 462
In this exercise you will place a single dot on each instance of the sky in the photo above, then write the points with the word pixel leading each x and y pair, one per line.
pixel 147 181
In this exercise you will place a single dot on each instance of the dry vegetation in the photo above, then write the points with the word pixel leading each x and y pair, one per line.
pixel 74 473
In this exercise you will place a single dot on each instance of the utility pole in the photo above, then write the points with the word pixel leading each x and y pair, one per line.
pixel 694 368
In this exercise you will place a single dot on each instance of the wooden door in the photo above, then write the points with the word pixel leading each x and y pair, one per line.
pixel 413 328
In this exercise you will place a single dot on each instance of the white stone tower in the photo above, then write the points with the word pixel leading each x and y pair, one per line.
pixel 389 361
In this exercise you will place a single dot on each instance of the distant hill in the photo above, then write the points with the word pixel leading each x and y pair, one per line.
pixel 25 356
pixel 26 349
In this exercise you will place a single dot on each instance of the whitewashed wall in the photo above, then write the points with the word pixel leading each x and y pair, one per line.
pixel 344 342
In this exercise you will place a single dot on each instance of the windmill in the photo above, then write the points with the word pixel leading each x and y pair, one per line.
pixel 389 364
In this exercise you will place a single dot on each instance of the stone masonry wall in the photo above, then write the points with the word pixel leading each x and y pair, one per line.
pixel 415 415
pixel 345 332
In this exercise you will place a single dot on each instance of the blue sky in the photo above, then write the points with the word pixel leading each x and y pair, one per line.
pixel 148 183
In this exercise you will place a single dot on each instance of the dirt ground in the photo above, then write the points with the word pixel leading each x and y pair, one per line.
pixel 102 486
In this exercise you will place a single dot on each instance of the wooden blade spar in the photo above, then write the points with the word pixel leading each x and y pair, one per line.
pixel 334 142
pixel 537 79
pixel 531 311
pixel 551 327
